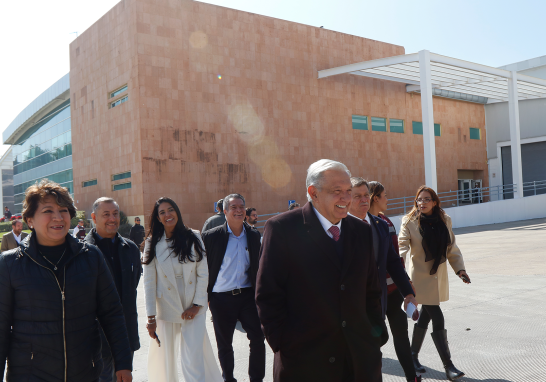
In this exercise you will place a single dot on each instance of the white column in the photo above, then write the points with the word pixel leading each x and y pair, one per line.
pixel 515 136
pixel 427 116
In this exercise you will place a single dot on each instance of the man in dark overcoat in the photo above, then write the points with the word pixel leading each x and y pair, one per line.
pixel 318 291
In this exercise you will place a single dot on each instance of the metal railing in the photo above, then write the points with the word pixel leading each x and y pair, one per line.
pixel 398 206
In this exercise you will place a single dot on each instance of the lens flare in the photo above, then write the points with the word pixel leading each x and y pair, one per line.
pixel 219 77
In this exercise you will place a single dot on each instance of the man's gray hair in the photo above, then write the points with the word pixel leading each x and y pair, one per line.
pixel 228 199
pixel 315 173
pixel 103 199
pixel 358 181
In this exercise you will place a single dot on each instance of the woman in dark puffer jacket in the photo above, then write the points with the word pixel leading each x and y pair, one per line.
pixel 53 289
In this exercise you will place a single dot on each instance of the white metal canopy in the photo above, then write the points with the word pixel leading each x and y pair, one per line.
pixel 425 71
pixel 446 73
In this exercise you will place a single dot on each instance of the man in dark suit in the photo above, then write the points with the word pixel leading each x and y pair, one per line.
pixel 318 292
pixel 386 257
pixel 12 239
pixel 389 261
pixel 123 260
pixel 233 251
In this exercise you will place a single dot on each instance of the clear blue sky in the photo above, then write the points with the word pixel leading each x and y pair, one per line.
pixel 35 33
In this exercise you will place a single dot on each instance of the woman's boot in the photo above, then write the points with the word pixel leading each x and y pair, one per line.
pixel 416 343
pixel 440 340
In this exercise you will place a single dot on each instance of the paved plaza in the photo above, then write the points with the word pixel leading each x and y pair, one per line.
pixel 496 325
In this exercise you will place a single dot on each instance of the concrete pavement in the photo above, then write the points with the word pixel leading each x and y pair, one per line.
pixel 495 330
pixel 496 325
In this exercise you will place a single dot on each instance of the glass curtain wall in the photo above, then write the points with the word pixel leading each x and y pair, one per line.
pixel 45 154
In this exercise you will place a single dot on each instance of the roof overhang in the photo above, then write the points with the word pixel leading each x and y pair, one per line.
pixel 48 101
pixel 448 74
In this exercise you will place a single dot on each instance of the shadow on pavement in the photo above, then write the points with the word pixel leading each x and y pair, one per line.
pixel 392 367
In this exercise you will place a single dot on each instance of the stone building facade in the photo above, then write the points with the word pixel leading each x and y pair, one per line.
pixel 195 101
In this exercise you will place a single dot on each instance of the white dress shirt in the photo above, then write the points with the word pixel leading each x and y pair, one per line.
pixel 233 272
pixel 326 223
pixel 367 218
pixel 17 238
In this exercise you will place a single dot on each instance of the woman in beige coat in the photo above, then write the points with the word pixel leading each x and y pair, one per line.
pixel 427 236
pixel 175 286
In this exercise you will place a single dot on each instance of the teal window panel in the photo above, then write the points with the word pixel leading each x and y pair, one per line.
pixel 417 127
pixel 89 183
pixel 121 186
pixel 60 177
pixel 119 91
pixel 123 175
pixel 360 122
pixel 475 133
pixel 396 125
pixel 379 124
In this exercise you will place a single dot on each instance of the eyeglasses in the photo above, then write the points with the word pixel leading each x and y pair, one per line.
pixel 424 201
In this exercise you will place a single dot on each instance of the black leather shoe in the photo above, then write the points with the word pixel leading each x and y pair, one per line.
pixel 440 340
pixel 416 379
pixel 416 343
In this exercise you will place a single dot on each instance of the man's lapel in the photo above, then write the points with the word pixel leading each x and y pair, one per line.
pixel 348 243
pixel 316 231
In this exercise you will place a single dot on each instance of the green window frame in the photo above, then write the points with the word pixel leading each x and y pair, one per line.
pixel 121 186
pixel 89 183
pixel 120 176
pixel 360 122
pixel 396 125
pixel 417 128
pixel 379 124
pixel 475 133
pixel 118 91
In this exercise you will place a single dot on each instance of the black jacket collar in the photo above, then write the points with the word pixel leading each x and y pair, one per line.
pixel 90 238
pixel 30 245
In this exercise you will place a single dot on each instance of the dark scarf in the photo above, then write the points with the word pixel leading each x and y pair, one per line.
pixel 436 239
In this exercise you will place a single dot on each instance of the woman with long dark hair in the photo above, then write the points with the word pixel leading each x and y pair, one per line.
pixel 427 236
pixel 175 286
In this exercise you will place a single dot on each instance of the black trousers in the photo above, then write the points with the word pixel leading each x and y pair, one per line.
pixel 398 321
pixel 226 309
pixel 434 313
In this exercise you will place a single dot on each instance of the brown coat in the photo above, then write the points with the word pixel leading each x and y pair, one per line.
pixel 9 242
pixel 431 289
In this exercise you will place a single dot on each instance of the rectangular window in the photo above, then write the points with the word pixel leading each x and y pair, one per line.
pixel 379 124
pixel 396 125
pixel 418 128
pixel 119 101
pixel 123 175
pixel 118 91
pixel 89 183
pixel 475 133
pixel 121 186
pixel 360 122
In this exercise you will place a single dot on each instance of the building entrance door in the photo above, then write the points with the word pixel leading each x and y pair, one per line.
pixel 464 190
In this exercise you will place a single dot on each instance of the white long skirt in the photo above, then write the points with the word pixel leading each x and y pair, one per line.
pixel 190 342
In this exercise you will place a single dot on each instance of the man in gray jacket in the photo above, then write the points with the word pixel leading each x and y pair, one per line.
pixel 215 220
